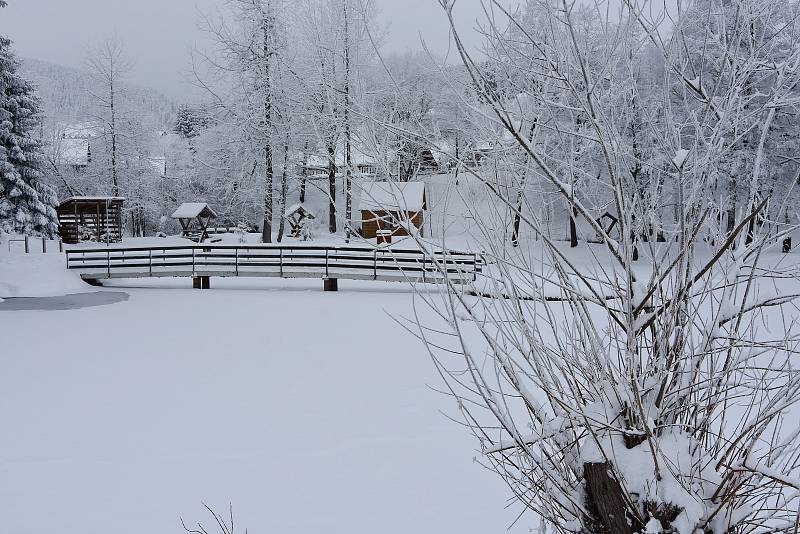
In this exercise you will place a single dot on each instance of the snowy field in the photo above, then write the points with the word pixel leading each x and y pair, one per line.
pixel 308 411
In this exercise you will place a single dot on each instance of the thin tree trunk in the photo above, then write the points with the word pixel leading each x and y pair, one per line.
pixel 114 180
pixel 521 192
pixel 266 232
pixel 348 179
pixel 284 187
pixel 332 188
pixel 304 173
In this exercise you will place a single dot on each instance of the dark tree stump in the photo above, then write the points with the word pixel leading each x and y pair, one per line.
pixel 606 503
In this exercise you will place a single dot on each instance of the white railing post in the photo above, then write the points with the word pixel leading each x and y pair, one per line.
pixel 375 264
pixel 236 262
pixel 108 262
pixel 326 261
pixel 150 262
pixel 194 268
pixel 280 263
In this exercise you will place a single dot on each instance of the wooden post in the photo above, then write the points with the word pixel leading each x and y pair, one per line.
pixel 44 245
pixel 60 244
pixel 27 246
pixel 330 284
pixel 196 283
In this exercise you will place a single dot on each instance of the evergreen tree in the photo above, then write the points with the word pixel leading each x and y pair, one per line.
pixel 27 204
pixel 191 121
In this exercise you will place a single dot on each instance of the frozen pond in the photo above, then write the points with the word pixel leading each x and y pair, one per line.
pixel 66 302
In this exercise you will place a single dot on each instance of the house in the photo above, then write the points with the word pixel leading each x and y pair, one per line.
pixel 394 206
pixel 75 153
pixel 72 146
pixel 317 166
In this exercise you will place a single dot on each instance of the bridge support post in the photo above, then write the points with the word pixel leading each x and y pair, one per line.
pixel 330 284
pixel 201 282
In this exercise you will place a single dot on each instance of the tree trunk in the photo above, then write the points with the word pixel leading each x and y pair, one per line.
pixel 266 231
pixel 521 192
pixel 332 188
pixel 303 174
pixel 605 502
pixel 573 228
pixel 114 179
pixel 348 177
pixel 284 187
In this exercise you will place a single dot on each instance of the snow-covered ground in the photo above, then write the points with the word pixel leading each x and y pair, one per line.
pixel 308 411
pixel 35 274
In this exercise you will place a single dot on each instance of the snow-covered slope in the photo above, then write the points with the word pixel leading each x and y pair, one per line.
pixel 36 274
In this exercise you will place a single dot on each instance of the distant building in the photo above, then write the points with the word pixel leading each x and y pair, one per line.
pixel 75 153
pixel 72 146
pixel 392 206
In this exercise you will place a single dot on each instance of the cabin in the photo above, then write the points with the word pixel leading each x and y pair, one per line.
pixel 194 218
pixel 91 219
pixel 392 206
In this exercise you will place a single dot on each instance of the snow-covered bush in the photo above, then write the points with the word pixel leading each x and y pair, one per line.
pixel 615 395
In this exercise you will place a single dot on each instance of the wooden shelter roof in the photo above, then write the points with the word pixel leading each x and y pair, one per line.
pixel 192 210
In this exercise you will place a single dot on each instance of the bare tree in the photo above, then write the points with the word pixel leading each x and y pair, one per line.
pixel 108 63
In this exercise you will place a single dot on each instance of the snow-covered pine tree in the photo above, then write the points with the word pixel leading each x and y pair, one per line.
pixel 27 204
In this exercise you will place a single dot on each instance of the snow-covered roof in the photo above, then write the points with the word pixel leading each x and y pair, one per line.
pixel 393 196
pixel 357 158
pixel 82 130
pixel 297 207
pixel 73 152
pixel 92 199
pixel 190 210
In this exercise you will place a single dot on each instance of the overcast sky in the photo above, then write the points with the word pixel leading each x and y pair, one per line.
pixel 159 34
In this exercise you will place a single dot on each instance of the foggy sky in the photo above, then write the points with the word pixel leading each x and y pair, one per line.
pixel 159 34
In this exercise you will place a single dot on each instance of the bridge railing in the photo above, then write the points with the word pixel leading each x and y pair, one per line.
pixel 288 261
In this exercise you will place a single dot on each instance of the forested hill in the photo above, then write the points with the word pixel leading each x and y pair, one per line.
pixel 66 95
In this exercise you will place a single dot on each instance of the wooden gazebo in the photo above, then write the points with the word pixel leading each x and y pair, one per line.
pixel 91 219
pixel 194 218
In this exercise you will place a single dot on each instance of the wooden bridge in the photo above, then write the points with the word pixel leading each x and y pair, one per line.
pixel 330 263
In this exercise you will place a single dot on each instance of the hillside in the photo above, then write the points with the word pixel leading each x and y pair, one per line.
pixel 66 94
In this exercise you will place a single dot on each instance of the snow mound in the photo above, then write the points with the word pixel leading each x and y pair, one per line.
pixel 37 275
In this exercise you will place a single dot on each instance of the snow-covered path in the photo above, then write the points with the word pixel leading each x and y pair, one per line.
pixel 309 411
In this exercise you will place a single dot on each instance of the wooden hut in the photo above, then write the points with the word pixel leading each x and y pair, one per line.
pixel 392 206
pixel 194 218
pixel 91 219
